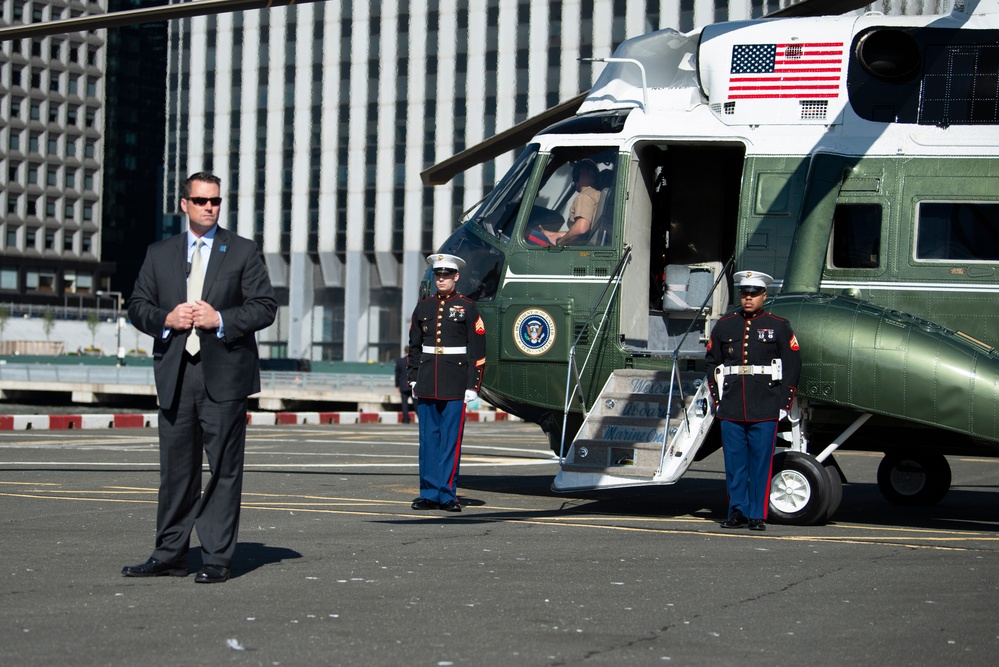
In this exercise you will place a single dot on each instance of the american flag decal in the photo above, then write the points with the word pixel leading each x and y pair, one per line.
pixel 810 70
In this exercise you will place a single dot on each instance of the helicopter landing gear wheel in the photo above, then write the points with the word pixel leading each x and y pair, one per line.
pixel 835 489
pixel 914 479
pixel 799 489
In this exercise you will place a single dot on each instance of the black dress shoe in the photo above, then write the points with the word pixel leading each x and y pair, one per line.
pixel 154 568
pixel 212 574
pixel 451 506
pixel 735 520
pixel 424 504
pixel 757 524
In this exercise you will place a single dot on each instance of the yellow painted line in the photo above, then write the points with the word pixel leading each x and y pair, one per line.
pixel 924 538
pixel 31 483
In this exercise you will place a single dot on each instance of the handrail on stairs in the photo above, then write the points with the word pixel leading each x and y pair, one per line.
pixel 613 283
pixel 704 304
pixel 674 378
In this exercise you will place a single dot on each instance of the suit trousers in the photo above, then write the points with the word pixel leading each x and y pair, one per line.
pixel 196 423
pixel 749 449
pixel 441 426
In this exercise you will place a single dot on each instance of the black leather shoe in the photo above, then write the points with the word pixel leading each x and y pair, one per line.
pixel 735 520
pixel 451 506
pixel 424 504
pixel 212 574
pixel 154 568
pixel 757 524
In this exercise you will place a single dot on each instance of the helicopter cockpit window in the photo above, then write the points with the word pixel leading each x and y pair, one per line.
pixel 856 237
pixel 499 210
pixel 575 202
pixel 958 231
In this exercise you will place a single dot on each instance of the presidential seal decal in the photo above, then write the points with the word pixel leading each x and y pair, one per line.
pixel 534 332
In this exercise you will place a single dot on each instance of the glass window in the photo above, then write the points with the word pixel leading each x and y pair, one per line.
pixel 574 205
pixel 13 171
pixel 69 212
pixel 50 177
pixel 54 148
pixel 33 175
pixel 856 237
pixel 958 231
pixel 12 204
pixel 15 142
pixel 11 236
pixel 87 241
pixel 8 279
pixel 36 111
pixel 49 239
pixel 67 242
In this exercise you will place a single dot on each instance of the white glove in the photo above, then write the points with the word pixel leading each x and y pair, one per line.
pixel 412 386
pixel 783 415
pixel 471 395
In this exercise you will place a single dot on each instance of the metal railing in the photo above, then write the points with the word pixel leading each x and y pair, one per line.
pixel 613 282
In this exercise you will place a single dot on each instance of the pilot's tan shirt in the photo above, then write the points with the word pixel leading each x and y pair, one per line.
pixel 584 205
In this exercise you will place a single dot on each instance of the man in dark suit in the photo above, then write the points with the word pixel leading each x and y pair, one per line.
pixel 201 295
pixel 402 383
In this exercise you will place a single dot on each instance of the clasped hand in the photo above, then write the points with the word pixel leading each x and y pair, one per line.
pixel 200 315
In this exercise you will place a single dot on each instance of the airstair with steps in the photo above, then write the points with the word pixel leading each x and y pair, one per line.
pixel 644 428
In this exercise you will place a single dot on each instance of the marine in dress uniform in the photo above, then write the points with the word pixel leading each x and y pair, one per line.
pixel 753 369
pixel 447 353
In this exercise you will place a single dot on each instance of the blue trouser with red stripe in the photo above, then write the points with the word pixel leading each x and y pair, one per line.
pixel 441 427
pixel 749 449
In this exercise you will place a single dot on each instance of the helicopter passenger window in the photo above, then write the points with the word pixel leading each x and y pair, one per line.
pixel 575 202
pixel 856 237
pixel 965 231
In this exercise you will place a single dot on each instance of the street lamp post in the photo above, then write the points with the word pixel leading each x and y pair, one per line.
pixel 117 321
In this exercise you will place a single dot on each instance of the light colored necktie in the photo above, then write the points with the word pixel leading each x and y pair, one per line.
pixel 195 283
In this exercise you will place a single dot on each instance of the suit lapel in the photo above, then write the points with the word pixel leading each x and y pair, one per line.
pixel 220 250
pixel 179 262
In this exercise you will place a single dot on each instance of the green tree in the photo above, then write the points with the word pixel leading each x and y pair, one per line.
pixel 93 321
pixel 48 321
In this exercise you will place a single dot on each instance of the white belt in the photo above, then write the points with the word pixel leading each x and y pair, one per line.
pixel 775 370
pixel 430 349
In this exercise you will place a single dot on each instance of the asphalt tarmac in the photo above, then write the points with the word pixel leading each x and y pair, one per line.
pixel 334 568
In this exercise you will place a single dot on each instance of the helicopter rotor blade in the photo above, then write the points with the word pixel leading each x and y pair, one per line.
pixel 818 8
pixel 138 16
pixel 496 145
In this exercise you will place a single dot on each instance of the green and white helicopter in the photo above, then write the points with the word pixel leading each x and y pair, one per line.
pixel 854 158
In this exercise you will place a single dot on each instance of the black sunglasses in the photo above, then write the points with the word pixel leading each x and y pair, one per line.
pixel 446 273
pixel 751 291
pixel 202 201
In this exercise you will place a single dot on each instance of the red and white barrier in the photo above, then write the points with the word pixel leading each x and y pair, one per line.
pixel 151 420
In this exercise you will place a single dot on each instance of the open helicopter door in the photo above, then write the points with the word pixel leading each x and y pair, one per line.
pixel 680 219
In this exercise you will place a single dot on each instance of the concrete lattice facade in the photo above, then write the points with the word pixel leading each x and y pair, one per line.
pixel 51 145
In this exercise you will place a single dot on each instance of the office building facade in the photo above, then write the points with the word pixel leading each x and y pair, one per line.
pixel 51 146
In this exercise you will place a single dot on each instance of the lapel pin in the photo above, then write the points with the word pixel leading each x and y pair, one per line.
pixel 222 249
